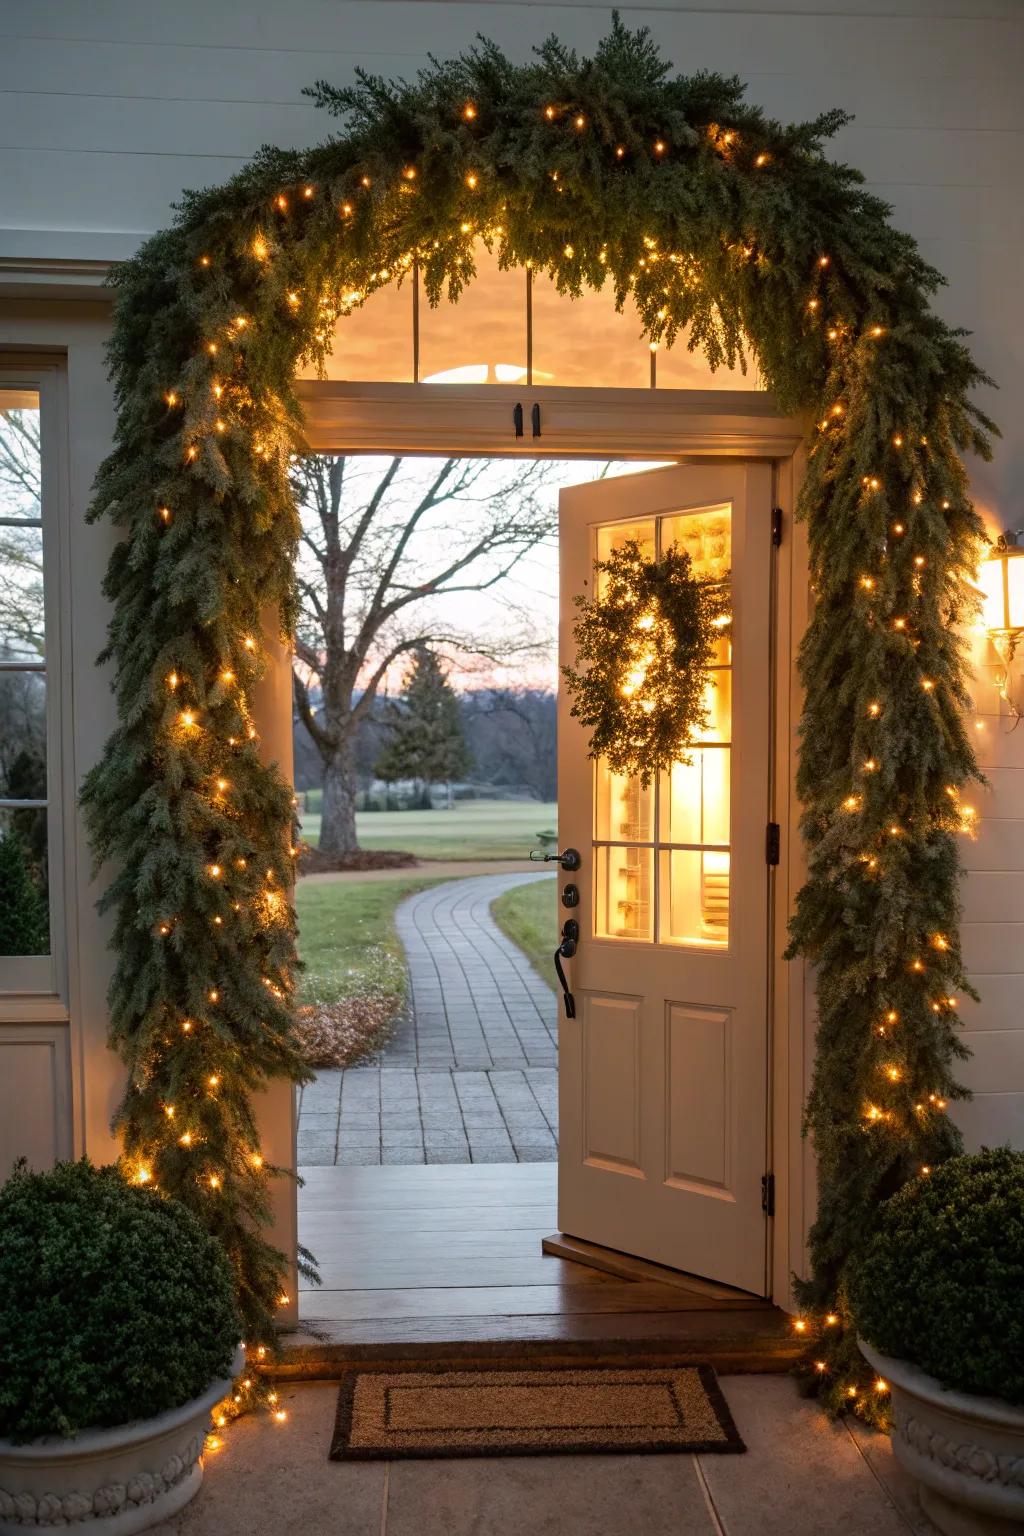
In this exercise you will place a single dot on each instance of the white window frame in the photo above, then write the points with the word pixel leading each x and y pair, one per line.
pixel 38 978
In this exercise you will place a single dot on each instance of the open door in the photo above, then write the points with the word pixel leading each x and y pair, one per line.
pixel 664 1069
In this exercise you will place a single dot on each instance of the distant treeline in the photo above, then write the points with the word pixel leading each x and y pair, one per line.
pixel 510 731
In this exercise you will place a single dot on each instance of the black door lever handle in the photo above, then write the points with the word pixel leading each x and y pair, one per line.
pixel 567 948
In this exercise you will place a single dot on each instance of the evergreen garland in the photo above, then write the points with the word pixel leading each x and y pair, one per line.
pixel 648 636
pixel 611 172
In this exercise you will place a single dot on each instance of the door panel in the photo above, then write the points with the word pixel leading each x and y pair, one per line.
pixel 663 1073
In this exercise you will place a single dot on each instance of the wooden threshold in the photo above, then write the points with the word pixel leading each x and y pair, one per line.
pixel 611 1262
pixel 449 1262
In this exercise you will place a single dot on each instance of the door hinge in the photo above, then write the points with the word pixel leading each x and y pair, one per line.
pixel 772 842
pixel 768 1193
pixel 535 420
pixel 776 526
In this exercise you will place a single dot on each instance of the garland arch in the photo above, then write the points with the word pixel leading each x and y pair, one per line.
pixel 603 171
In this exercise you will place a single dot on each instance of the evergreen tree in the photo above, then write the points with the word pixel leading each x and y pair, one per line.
pixel 24 920
pixel 428 743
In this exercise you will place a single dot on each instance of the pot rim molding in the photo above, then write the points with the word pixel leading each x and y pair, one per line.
pixel 911 1379
pixel 94 1444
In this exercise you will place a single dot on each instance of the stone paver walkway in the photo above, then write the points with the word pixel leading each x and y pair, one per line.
pixel 470 1074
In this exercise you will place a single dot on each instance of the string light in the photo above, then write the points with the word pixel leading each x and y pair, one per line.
pixel 472 180
pixel 762 159
pixel 469 111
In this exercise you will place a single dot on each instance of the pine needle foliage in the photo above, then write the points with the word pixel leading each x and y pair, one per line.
pixel 609 172
pixel 647 638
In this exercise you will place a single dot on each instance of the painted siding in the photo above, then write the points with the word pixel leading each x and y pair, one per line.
pixel 108 109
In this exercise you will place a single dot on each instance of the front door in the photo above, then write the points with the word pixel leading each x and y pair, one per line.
pixel 664 1070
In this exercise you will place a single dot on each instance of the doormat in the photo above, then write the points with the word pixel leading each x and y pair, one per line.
pixel 582 1410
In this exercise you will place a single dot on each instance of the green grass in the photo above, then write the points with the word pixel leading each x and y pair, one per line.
pixel 347 937
pixel 528 915
pixel 472 829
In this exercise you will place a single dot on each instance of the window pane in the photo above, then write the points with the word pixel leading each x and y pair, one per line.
pixel 481 339
pixel 624 879
pixel 585 341
pixel 694 898
pixel 677 368
pixel 624 810
pixel 374 343
pixel 21 545
pixel 24 898
pixel 22 736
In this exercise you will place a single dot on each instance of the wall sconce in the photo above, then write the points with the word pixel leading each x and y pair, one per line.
pixel 1001 579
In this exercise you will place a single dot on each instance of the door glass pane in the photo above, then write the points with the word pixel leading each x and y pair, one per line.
pixel 694 897
pixel 695 799
pixel 624 893
pixel 612 536
pixel 24 897
pixel 624 810
pixel 718 704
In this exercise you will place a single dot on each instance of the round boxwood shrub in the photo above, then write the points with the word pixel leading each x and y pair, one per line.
pixel 942 1283
pixel 115 1304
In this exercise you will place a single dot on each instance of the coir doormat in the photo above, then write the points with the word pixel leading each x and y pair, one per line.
pixel 431 1412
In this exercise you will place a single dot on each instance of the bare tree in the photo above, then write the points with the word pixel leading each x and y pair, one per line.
pixel 381 547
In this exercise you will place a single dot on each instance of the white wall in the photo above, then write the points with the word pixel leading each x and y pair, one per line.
pixel 108 108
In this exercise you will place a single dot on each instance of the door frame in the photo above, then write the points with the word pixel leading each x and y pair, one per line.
pixel 683 426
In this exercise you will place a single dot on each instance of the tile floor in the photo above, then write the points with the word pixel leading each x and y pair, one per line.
pixel 801 1476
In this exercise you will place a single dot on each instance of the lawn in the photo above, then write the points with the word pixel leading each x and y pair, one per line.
pixel 472 829
pixel 347 938
pixel 528 915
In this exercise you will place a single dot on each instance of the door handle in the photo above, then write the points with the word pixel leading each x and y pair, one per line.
pixel 517 419
pixel 569 859
pixel 567 948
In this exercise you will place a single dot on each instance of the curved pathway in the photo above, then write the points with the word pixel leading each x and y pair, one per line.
pixel 470 1073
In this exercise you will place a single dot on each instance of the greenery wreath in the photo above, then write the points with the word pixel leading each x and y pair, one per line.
pixel 718 223
pixel 647 639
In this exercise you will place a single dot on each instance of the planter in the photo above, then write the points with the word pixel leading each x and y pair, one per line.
pixel 965 1453
pixel 111 1482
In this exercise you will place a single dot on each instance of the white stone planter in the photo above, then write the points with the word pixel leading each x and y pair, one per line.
pixel 965 1453
pixel 110 1482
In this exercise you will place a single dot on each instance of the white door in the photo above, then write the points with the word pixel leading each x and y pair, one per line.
pixel 664 1070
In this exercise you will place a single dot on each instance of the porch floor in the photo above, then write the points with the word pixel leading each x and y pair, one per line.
pixel 800 1476
pixel 441 1260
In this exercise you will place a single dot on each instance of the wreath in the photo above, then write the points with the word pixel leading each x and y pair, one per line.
pixel 647 640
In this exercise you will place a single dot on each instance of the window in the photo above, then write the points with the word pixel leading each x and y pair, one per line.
pixel 661 853
pixel 29 830
pixel 510 327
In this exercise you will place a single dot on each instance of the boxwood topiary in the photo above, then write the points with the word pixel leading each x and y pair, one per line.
pixel 942 1283
pixel 115 1304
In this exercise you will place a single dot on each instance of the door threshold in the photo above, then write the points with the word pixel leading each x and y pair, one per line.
pixel 628 1267
pixel 741 1341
